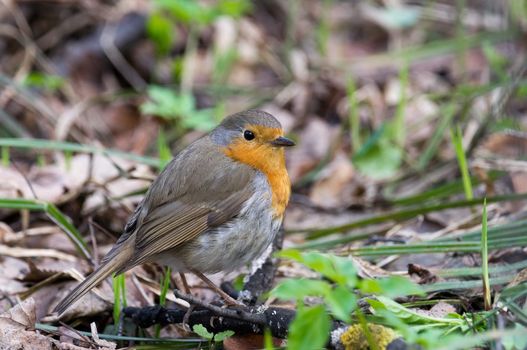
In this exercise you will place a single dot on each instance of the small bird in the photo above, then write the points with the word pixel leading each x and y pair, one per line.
pixel 215 207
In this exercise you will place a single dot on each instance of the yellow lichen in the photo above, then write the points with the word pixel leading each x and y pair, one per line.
pixel 354 337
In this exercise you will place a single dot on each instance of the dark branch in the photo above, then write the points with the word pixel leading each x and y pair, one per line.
pixel 276 319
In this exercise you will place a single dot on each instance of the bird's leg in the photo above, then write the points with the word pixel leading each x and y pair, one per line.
pixel 186 288
pixel 228 299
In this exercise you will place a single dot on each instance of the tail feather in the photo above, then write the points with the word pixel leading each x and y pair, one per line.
pixel 85 286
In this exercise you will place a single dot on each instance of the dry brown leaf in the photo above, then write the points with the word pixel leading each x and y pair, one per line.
pixel 17 252
pixel 333 188
pixel 89 305
pixel 8 236
pixel 16 325
pixel 315 142
pixel 10 270
pixel 439 310
pixel 101 342
pixel 369 270
pixel 510 144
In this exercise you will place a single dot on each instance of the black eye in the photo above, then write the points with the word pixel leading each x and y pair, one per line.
pixel 248 135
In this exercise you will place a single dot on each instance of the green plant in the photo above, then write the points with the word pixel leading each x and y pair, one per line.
pixel 485 258
pixel 379 157
pixel 200 330
pixel 311 326
pixel 119 297
pixel 55 215
pixel 165 285
pixel 457 141
pixel 180 107
pixel 163 149
pixel 40 144
pixel 44 81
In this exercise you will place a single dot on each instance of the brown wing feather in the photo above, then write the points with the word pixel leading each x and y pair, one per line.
pixel 175 223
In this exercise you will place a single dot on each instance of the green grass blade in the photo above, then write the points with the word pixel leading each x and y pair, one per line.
pixel 485 259
pixel 53 329
pixel 447 113
pixel 399 127
pixel 165 285
pixel 510 229
pixel 64 223
pixel 16 203
pixel 453 285
pixel 354 117
pixel 40 144
pixel 117 294
pixel 5 156
pixel 416 248
pixel 457 141
pixel 435 247
pixel 407 214
pixel 476 271
pixel 54 214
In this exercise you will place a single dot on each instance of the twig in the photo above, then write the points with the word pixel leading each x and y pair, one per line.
pixel 118 60
pixel 234 312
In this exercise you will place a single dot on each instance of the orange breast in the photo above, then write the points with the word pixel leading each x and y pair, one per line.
pixel 270 161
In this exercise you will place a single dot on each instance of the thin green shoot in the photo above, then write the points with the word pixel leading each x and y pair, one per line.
pixel 354 118
pixel 5 156
pixel 463 285
pixel 41 160
pixel 122 281
pixel 398 126
pixel 457 141
pixel 165 155
pixel 117 306
pixel 447 113
pixel 54 214
pixel 435 247
pixel 268 339
pixel 485 259
pixel 68 156
pixel 165 285
pixel 323 31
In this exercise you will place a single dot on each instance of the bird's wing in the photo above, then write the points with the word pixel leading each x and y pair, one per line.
pixel 180 204
pixel 175 223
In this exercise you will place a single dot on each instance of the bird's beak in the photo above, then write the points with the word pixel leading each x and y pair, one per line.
pixel 282 142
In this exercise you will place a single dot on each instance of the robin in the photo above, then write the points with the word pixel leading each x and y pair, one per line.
pixel 215 207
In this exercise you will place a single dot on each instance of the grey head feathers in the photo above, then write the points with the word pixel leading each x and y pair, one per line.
pixel 233 125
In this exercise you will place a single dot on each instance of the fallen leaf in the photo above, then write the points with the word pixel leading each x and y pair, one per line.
pixel 315 142
pixel 333 187
pixel 31 253
pixel 16 326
